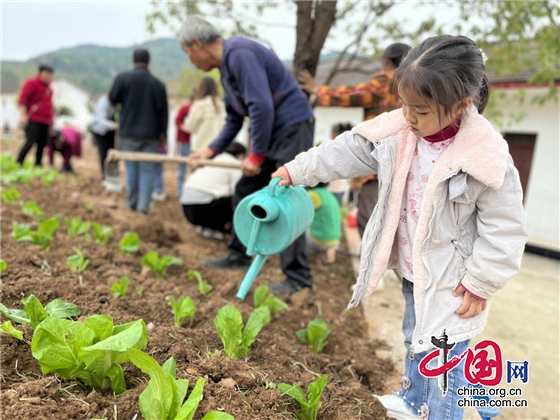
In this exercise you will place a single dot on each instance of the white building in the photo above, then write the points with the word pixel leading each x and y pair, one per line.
pixel 65 93
pixel 534 143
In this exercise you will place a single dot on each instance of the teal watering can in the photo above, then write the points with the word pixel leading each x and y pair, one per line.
pixel 268 221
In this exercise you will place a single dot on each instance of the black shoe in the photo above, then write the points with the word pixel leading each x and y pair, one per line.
pixel 231 261
pixel 283 288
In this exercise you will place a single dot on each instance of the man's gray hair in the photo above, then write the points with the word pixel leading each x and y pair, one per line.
pixel 196 27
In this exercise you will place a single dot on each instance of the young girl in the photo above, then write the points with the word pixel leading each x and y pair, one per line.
pixel 449 216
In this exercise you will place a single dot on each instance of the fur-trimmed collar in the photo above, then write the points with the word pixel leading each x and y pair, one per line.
pixel 478 149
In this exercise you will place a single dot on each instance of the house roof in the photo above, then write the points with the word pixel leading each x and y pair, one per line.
pixel 364 68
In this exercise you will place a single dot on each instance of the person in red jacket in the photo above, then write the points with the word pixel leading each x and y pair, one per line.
pixel 183 144
pixel 36 112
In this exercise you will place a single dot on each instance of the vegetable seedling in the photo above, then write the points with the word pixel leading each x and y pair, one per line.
pixel 159 265
pixel 77 263
pixel 236 338
pixel 261 297
pixel 183 308
pixel 3 266
pixel 309 406
pixel 31 209
pixel 76 226
pixel 130 243
pixel 102 233
pixel 119 289
pixel 43 236
pixel 10 195
pixel 202 285
pixel 91 351
pixel 163 397
pixel 315 334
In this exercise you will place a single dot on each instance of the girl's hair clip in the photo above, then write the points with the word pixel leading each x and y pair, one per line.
pixel 484 57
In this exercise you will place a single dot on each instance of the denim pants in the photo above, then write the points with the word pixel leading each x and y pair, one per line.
pixel 422 395
pixel 139 175
pixel 184 150
pixel 158 178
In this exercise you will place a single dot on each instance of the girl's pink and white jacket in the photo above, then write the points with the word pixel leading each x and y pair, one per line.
pixel 470 227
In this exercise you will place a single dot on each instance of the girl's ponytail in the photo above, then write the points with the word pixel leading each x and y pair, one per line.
pixel 483 95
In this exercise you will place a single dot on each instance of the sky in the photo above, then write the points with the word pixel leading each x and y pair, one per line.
pixel 33 28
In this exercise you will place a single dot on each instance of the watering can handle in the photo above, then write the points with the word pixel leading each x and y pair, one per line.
pixel 274 189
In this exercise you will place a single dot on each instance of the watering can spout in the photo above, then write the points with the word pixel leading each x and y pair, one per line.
pixel 251 276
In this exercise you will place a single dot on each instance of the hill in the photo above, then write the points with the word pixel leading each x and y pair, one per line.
pixel 93 67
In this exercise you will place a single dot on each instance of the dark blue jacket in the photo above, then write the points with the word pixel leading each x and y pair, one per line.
pixel 143 100
pixel 259 86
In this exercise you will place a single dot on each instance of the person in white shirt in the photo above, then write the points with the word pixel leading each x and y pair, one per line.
pixel 103 126
pixel 207 194
pixel 206 117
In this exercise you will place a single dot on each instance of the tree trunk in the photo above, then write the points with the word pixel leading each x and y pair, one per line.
pixel 314 21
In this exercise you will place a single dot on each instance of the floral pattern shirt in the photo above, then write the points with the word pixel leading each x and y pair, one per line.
pixel 425 157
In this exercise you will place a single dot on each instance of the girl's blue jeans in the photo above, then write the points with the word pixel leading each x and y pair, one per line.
pixel 422 395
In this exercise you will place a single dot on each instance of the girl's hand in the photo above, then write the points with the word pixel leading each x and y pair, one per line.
pixel 282 173
pixel 471 306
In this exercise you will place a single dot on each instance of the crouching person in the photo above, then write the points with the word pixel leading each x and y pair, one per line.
pixel 207 194
pixel 324 234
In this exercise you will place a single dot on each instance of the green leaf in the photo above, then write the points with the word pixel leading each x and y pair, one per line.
pixel 295 392
pixel 21 232
pixel 116 376
pixel 56 343
pixel 182 308
pixel 316 390
pixel 49 226
pixel 158 399
pixel 77 262
pixel 101 325
pixel 218 415
pixel 61 309
pixel 16 315
pixel 260 295
pixel 8 328
pixel 159 265
pixel 170 367
pixel 309 406
pixel 187 410
pixel 30 208
pixel 34 310
pixel 76 226
pixel 202 285
pixel 119 289
pixel 3 266
pixel 130 243
pixel 102 356
pixel 229 324
pixel 315 334
pixel 10 195
pixel 102 233
pixel 258 318
pixel 262 298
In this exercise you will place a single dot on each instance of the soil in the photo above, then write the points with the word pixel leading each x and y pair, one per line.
pixel 245 388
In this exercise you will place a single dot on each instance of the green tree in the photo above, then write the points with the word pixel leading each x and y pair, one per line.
pixel 519 37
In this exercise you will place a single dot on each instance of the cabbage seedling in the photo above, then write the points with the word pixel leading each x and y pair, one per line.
pixel 183 308
pixel 119 289
pixel 102 233
pixel 77 263
pixel 159 265
pixel 202 285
